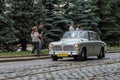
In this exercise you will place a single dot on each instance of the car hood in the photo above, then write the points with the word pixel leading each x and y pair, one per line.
pixel 68 41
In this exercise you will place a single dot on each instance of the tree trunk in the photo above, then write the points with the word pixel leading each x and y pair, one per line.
pixel 23 44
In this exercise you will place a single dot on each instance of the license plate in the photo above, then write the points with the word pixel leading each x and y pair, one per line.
pixel 62 55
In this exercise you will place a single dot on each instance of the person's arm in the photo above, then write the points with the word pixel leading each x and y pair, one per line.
pixel 32 34
pixel 41 37
pixel 70 28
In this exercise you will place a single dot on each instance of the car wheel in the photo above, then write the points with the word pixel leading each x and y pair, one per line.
pixel 54 58
pixel 83 55
pixel 101 54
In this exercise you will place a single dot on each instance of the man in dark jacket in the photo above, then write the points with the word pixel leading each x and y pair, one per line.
pixel 40 31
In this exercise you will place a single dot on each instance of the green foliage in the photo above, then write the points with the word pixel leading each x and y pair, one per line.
pixel 15 54
pixel 54 22
pixel 7 31
pixel 19 16
pixel 109 13
pixel 22 14
pixel 23 54
pixel 113 48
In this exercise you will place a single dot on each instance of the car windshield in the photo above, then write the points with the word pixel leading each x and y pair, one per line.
pixel 75 34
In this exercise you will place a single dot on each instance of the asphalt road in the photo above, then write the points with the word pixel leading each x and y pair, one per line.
pixel 63 69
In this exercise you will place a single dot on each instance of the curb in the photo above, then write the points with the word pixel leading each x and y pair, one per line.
pixel 22 58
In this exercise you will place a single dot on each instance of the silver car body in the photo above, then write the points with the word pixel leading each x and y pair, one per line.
pixel 73 42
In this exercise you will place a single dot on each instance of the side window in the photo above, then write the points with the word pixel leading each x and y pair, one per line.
pixel 96 37
pixel 90 36
pixel 82 35
pixel 93 36
pixel 85 35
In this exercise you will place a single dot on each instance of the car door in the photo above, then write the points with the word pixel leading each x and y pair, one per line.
pixel 97 43
pixel 90 44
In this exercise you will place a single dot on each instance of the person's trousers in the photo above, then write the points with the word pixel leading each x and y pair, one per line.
pixel 36 46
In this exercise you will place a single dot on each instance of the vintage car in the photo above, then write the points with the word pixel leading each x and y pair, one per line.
pixel 79 45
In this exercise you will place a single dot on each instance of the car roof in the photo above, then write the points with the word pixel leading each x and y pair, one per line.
pixel 82 31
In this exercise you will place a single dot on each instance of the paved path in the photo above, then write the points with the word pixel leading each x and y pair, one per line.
pixel 67 69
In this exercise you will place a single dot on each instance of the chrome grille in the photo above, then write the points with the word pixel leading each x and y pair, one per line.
pixel 68 48
pixel 57 48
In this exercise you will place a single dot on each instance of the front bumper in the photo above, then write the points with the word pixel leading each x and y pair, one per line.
pixel 64 53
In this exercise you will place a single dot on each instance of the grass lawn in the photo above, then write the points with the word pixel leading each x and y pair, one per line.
pixel 25 53
pixel 113 48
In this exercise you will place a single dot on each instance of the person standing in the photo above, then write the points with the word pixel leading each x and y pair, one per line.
pixel 72 26
pixel 35 40
pixel 79 27
pixel 40 31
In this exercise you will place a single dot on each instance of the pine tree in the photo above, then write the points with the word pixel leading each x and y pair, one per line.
pixel 7 31
pixel 108 11
pixel 54 22
pixel 23 16
pixel 115 32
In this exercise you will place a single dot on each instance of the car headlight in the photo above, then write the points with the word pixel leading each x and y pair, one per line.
pixel 76 45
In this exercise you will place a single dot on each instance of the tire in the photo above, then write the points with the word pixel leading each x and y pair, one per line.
pixel 54 58
pixel 83 55
pixel 101 54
